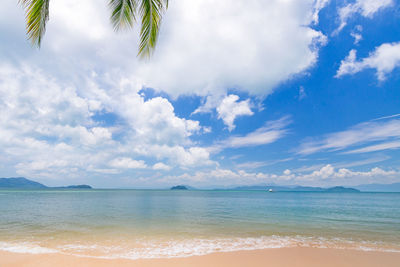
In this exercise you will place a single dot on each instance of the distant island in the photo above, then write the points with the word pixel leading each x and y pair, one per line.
pixel 23 183
pixel 341 189
pixel 274 188
pixel 78 186
pixel 179 187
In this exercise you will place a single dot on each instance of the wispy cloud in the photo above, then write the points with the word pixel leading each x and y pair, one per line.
pixel 387 117
pixel 357 135
pixel 363 162
pixel 259 164
pixel 302 93
pixel 373 148
pixel 342 164
pixel 365 8
pixel 272 131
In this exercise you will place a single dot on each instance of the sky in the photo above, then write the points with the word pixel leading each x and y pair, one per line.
pixel 248 92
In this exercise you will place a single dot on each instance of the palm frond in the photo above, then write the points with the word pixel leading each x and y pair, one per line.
pixel 151 12
pixel 36 15
pixel 122 13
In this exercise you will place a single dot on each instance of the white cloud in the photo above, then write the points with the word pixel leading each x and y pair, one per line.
pixel 177 155
pixel 323 173
pixel 366 8
pixel 287 172
pixel 210 46
pixel 127 163
pixel 103 171
pixel 384 60
pixel 48 129
pixel 318 5
pixel 356 34
pixel 230 108
pixel 373 148
pixel 49 96
pixel 368 161
pixel 386 117
pixel 343 164
pixel 357 37
pixel 326 175
pixel 359 134
pixel 204 46
pixel 302 93
pixel 258 164
pixel 161 166
pixel 215 177
pixel 252 165
pixel 272 131
pixel 353 177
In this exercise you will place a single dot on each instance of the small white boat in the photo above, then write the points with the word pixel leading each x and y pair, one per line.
pixel 270 190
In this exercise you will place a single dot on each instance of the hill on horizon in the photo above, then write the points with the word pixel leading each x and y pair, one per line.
pixel 297 188
pixel 395 187
pixel 19 182
pixel 24 183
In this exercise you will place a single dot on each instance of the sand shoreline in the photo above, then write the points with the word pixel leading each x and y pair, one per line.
pixel 300 257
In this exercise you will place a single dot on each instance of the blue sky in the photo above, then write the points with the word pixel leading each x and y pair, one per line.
pixel 296 92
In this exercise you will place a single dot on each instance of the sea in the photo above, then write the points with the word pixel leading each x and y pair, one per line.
pixel 137 224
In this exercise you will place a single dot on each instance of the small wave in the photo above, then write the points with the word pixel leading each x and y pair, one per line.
pixel 25 247
pixel 195 247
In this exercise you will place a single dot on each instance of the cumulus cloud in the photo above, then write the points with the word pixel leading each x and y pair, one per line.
pixel 128 163
pixel 326 175
pixel 359 134
pixel 230 108
pixel 366 8
pixel 212 46
pixel 48 129
pixel 329 172
pixel 214 177
pixel 384 60
pixel 203 47
pixel 161 166
pixel 318 5
pixel 50 98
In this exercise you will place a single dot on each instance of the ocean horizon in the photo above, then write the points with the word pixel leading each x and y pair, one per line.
pixel 138 224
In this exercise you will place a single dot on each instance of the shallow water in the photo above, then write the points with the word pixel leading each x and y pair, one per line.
pixel 164 223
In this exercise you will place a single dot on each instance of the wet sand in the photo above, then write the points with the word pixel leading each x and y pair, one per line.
pixel 293 257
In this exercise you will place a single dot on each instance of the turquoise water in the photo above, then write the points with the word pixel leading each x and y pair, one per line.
pixel 163 223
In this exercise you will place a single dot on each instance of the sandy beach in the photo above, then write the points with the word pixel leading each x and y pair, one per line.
pixel 300 257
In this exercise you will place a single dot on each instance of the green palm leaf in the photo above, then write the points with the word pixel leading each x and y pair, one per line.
pixel 36 14
pixel 122 13
pixel 151 12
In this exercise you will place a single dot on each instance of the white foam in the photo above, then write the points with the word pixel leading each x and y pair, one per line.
pixel 197 247
pixel 141 249
pixel 25 247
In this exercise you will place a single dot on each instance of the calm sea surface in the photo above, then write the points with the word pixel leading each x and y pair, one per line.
pixel 162 223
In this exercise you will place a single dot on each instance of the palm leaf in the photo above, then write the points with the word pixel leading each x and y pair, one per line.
pixel 36 14
pixel 151 12
pixel 122 13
